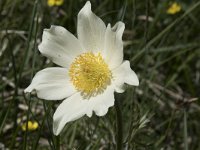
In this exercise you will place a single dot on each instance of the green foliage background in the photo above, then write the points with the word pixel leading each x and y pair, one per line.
pixel 164 50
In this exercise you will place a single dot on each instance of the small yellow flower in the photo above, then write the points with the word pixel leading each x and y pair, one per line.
pixel 55 2
pixel 174 8
pixel 32 125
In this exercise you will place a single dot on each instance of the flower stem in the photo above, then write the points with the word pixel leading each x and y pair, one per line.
pixel 58 142
pixel 119 125
pixel 185 130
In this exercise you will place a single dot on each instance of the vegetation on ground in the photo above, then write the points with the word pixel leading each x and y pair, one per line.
pixel 162 113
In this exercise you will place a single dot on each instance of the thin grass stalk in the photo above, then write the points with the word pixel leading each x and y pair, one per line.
pixel 35 147
pixel 23 64
pixel 185 130
pixel 29 39
pixel 58 142
pixel 49 128
pixel 145 43
pixel 119 141
pixel 119 125
pixel 73 135
pixel 15 99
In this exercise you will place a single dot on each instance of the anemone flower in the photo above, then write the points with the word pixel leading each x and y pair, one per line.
pixel 91 68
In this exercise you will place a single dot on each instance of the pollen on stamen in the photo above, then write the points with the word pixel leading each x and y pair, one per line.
pixel 90 74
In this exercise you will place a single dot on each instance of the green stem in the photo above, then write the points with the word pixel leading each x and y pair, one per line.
pixel 58 142
pixel 119 125
pixel 50 139
pixel 185 130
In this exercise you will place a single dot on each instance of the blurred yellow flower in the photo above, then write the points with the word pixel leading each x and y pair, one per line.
pixel 32 125
pixel 55 2
pixel 174 8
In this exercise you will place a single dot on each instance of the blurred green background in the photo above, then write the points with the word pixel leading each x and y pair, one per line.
pixel 162 113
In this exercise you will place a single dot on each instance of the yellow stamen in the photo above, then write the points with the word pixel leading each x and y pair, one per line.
pixel 90 74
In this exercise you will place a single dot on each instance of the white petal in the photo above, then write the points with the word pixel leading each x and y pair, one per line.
pixel 60 46
pixel 124 74
pixel 91 29
pixel 76 106
pixel 113 51
pixel 119 87
pixel 70 109
pixel 102 102
pixel 51 84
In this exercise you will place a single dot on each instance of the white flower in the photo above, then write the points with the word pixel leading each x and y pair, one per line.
pixel 92 68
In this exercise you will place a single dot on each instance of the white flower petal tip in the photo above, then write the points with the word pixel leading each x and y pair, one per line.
pixel 120 89
pixel 130 76
pixel 91 29
pixel 86 8
pixel 119 28
pixel 28 90
pixel 89 113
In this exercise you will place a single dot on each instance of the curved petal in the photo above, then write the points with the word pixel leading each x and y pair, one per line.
pixel 76 106
pixel 91 29
pixel 60 46
pixel 102 102
pixel 124 74
pixel 70 109
pixel 113 49
pixel 51 84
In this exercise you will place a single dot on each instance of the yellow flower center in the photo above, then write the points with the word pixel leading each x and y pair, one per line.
pixel 90 74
